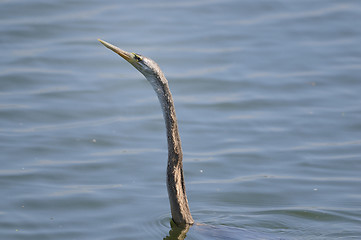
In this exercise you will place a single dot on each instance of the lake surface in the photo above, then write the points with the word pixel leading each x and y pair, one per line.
pixel 268 99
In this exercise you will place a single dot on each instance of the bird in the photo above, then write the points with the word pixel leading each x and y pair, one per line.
pixel 179 206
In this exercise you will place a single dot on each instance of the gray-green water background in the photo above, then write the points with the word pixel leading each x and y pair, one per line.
pixel 268 98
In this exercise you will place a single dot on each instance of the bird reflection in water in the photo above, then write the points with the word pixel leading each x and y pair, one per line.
pixel 177 232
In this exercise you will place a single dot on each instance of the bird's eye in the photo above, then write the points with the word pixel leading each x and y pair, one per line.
pixel 137 57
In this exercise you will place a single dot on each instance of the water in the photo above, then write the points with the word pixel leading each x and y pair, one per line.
pixel 267 97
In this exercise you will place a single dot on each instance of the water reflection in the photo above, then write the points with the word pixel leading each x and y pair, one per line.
pixel 205 231
pixel 177 232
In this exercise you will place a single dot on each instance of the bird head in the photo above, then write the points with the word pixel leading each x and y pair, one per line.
pixel 146 66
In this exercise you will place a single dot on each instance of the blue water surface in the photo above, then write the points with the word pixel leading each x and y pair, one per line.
pixel 268 100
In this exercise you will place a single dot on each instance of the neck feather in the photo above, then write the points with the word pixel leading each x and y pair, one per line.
pixel 175 180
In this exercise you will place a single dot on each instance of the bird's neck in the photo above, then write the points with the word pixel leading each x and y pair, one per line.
pixel 175 180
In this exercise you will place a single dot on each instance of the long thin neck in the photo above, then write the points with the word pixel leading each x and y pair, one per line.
pixel 175 180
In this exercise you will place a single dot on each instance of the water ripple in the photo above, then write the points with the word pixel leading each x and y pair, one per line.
pixel 293 15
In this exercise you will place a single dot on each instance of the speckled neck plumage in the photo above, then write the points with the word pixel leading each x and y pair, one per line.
pixel 175 180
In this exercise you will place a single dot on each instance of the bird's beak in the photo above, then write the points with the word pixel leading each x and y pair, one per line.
pixel 127 56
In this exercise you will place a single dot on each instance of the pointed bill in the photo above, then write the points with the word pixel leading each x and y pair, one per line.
pixel 127 56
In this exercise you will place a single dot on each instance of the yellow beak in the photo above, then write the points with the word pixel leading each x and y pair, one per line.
pixel 127 56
